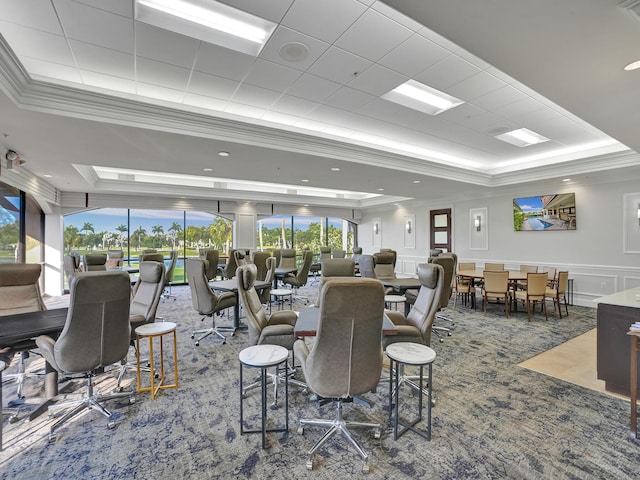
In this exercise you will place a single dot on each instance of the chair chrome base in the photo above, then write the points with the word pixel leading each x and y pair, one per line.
pixel 205 332
pixel 276 379
pixel 338 425
pixel 19 378
pixel 90 401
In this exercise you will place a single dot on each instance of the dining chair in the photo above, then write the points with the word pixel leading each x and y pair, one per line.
pixel 337 253
pixel 230 270
pixel 494 267
pixel 522 284
pixel 212 258
pixel 551 275
pixel 114 258
pixel 559 293
pixel 325 253
pixel 287 258
pixel 95 262
pixel 534 293
pixel 259 259
pixel 301 277
pixel 496 286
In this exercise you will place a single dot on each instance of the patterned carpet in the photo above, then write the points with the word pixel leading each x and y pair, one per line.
pixel 492 418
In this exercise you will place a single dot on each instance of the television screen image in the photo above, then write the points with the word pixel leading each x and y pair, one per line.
pixel 545 212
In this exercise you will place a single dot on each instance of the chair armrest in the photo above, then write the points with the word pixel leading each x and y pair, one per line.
pixel 283 317
pixel 301 351
pixel 396 318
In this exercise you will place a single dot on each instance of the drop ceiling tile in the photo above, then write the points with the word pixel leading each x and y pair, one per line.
pixel 271 75
pixel 293 105
pixel 108 82
pixel 413 56
pixel 204 102
pixel 377 80
pixel 327 114
pixel 120 7
pixel 396 16
pixel 313 88
pixel 41 68
pixel 165 46
pixel 223 62
pixel 349 99
pixel 284 35
pixel 339 66
pixel 475 86
pixel 272 10
pixel 372 36
pixel 163 74
pixel 460 112
pixel 87 24
pixel 519 108
pixel 211 86
pixel 380 108
pixel 447 72
pixel 439 40
pixel 261 98
pixel 159 93
pixel 325 20
pixel 499 98
pixel 103 60
pixel 32 43
pixel 43 17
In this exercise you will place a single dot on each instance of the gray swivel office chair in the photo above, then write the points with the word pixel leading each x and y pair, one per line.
pixel 19 293
pixel 145 298
pixel 325 254
pixel 213 259
pixel 287 258
pixel 240 258
pixel 95 262
pixel 300 278
pixel 259 259
pixel 265 293
pixel 152 257
pixel 448 263
pixel 96 334
pixel 168 278
pixel 205 301
pixel 337 253
pixel 230 270
pixel 71 265
pixel 346 359
pixel 114 258
pixel 274 329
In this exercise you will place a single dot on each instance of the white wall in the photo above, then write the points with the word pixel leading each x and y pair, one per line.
pixel 602 255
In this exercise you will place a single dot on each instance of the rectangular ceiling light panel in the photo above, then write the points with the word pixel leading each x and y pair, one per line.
pixel 209 21
pixel 522 137
pixel 421 97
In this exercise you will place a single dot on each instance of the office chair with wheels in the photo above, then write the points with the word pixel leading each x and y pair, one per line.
pixel 96 334
pixel 212 258
pixel 300 278
pixel 95 262
pixel 205 301
pixel 346 358
pixel 168 279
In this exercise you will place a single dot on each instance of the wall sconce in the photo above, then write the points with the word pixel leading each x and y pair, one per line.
pixel 408 226
pixel 376 228
pixel 639 215
pixel 477 223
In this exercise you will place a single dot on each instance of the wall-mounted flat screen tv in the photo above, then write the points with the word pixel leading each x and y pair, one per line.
pixel 545 212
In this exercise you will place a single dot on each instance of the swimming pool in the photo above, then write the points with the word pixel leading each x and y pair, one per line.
pixel 538 224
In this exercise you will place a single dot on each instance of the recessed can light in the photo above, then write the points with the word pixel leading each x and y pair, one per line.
pixel 381 189
pixel 223 154
pixel 566 179
pixel 305 180
pixel 46 175
pixel 632 66
pixel 207 169
pixel 416 181
pixel 335 169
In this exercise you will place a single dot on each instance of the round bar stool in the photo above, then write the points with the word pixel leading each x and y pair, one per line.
pixel 263 357
pixel 280 294
pixel 394 300
pixel 408 353
pixel 151 331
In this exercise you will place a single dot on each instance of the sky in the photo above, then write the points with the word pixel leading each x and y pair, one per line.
pixel 530 204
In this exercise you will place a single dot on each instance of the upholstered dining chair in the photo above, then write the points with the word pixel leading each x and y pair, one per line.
pixel 96 334
pixel 287 258
pixel 465 290
pixel 168 278
pixel 71 265
pixel 212 258
pixel 230 270
pixel 205 301
pixel 114 258
pixel 240 258
pixel 551 275
pixel 346 358
pixel 559 293
pixel 301 277
pixel 494 267
pixel 338 253
pixel 534 293
pixel 274 329
pixel 265 292
pixel 336 267
pixel 95 262
pixel 259 259
pixel 19 293
pixel 152 257
pixel 367 266
pixel 448 263
pixel 496 286
pixel 522 284
pixel 384 265
pixel 325 254
pixel 145 298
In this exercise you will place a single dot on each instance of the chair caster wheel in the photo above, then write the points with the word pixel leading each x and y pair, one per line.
pixel 376 434
pixel 448 334
pixel 132 400
pixel 309 465
pixel 193 336
pixel 197 344
pixel 224 342
pixel 13 419
pixel 441 340
pixel 301 430
pixel 365 468
pixel 111 425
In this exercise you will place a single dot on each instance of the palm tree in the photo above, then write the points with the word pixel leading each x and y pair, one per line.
pixel 70 237
pixel 139 233
pixel 157 230
pixel 175 229
pixel 122 229
pixel 87 227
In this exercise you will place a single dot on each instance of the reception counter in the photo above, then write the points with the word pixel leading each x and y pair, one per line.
pixel 616 313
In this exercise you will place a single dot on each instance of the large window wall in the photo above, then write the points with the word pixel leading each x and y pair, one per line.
pixel 21 227
pixel 135 230
pixel 300 232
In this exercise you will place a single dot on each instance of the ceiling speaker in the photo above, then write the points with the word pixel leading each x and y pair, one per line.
pixel 294 51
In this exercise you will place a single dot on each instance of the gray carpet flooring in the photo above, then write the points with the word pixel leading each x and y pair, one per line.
pixel 492 419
